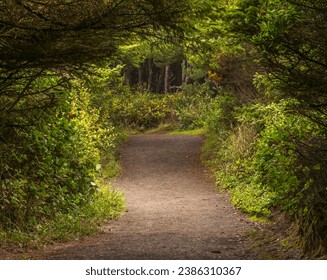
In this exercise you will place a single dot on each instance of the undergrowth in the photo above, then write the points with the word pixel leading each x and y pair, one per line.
pixel 264 154
pixel 106 204
pixel 261 155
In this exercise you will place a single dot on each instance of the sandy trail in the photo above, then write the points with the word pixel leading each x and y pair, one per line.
pixel 174 211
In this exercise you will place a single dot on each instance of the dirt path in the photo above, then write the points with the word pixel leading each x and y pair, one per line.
pixel 174 212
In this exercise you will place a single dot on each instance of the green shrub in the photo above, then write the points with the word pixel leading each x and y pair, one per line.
pixel 51 161
pixel 191 106
pixel 220 114
pixel 105 205
pixel 52 168
pixel 139 110
pixel 257 160
pixel 123 107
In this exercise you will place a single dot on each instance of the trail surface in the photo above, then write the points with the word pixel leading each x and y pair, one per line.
pixel 174 211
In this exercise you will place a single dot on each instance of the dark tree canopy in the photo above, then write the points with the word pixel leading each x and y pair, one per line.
pixel 60 32
pixel 60 35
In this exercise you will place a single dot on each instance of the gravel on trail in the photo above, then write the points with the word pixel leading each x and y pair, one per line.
pixel 173 210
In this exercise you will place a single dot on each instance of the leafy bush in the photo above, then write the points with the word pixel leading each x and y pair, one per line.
pixel 259 166
pixel 106 204
pixel 270 160
pixel 123 107
pixel 191 106
pixel 220 114
pixel 49 165
pixel 52 169
pixel 139 110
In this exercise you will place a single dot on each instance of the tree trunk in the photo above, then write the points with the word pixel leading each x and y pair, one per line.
pixel 185 67
pixel 183 70
pixel 127 74
pixel 140 75
pixel 167 68
pixel 150 73
pixel 160 80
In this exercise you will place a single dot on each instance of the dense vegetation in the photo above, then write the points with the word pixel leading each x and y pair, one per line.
pixel 57 145
pixel 75 75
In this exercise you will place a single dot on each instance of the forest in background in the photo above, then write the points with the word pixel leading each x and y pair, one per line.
pixel 76 76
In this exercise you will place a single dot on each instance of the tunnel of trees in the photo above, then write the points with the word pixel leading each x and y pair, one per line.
pixel 76 75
